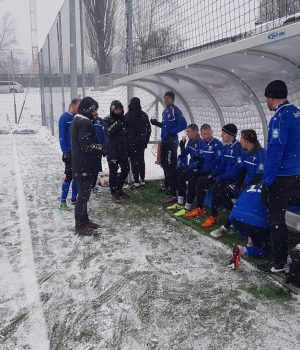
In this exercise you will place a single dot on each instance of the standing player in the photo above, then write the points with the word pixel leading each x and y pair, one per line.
pixel 173 122
pixel 65 144
pixel 282 169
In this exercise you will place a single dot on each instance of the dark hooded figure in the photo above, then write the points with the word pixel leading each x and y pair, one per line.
pixel 116 150
pixel 86 154
pixel 138 132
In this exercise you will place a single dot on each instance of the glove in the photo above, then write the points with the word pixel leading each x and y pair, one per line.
pixel 265 195
pixel 182 143
pixel 66 157
pixel 235 190
pixel 155 122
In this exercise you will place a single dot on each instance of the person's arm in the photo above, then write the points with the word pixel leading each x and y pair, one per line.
pixel 148 129
pixel 85 131
pixel 114 127
pixel 62 129
pixel 278 135
pixel 155 122
pixel 232 172
pixel 258 177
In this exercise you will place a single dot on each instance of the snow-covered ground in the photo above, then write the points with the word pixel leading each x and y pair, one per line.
pixel 146 282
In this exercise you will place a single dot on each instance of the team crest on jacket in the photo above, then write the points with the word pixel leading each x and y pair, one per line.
pixel 275 133
pixel 210 148
pixel 297 114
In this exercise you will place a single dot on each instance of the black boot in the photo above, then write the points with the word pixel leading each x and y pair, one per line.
pixel 83 230
pixel 93 225
pixel 123 194
pixel 116 199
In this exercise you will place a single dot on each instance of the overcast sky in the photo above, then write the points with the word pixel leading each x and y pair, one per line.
pixel 19 9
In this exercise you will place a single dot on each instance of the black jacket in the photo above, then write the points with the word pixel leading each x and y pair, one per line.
pixel 138 126
pixel 85 150
pixel 115 137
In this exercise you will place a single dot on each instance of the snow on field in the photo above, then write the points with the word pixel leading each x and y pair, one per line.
pixel 146 282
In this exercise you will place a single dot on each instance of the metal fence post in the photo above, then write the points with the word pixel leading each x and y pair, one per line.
pixel 82 49
pixel 14 90
pixel 129 53
pixel 73 50
pixel 61 62
pixel 42 90
pixel 50 88
pixel 129 45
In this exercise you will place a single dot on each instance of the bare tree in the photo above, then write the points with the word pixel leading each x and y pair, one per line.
pixel 7 31
pixel 270 10
pixel 153 38
pixel 100 31
pixel 7 40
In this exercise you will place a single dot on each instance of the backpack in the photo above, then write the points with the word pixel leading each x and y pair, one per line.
pixel 293 276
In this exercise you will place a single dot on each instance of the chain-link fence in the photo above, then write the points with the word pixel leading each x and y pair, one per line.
pixel 91 43
pixel 19 87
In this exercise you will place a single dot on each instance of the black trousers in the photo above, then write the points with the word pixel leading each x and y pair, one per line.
pixel 189 176
pixel 84 185
pixel 137 160
pixel 169 164
pixel 203 183
pixel 221 196
pixel 98 169
pixel 116 181
pixel 277 199
pixel 260 236
pixel 68 170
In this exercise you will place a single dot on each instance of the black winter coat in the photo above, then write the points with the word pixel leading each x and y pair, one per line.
pixel 116 146
pixel 138 127
pixel 86 152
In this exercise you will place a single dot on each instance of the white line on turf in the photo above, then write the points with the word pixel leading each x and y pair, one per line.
pixel 37 336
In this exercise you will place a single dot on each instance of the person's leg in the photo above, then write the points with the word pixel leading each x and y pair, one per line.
pixel 74 191
pixel 113 171
pixel 219 196
pixel 169 163
pixel 84 191
pixel 260 238
pixel 164 163
pixel 124 165
pixel 279 194
pixel 134 161
pixel 67 182
pixel 141 162
pixel 181 184
pixel 203 183
pixel 192 178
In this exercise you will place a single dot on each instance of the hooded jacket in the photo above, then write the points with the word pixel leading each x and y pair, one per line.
pixel 86 152
pixel 138 125
pixel 115 136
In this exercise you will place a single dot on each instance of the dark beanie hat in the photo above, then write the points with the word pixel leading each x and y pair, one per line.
pixel 115 104
pixel 87 106
pixel 230 129
pixel 170 94
pixel 276 89
pixel 135 103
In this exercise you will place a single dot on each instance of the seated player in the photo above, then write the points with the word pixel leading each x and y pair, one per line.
pixel 249 217
pixel 251 171
pixel 187 176
pixel 223 175
pixel 211 151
